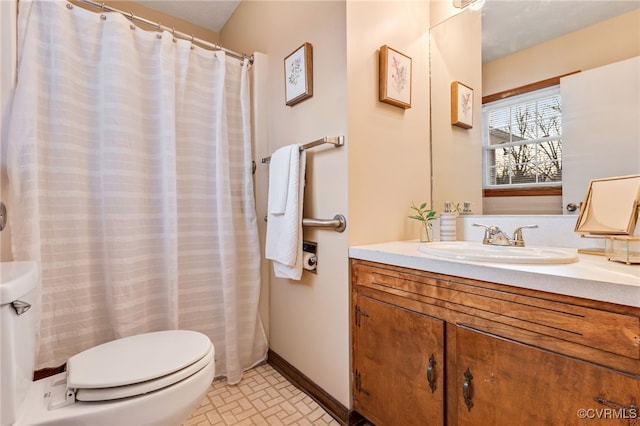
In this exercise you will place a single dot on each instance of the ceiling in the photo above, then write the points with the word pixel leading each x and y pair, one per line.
pixel 209 14
pixel 507 25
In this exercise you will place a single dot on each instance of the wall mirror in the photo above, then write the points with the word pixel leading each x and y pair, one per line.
pixel 484 50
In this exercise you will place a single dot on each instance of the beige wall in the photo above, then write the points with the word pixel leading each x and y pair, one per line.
pixel 606 42
pixel 308 320
pixel 456 55
pixel 389 163
pixel 441 10
pixel 372 180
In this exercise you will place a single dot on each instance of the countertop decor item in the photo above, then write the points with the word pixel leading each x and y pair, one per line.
pixel 395 77
pixel 448 221
pixel 622 248
pixel 610 206
pixel 298 74
pixel 425 216
pixel 610 210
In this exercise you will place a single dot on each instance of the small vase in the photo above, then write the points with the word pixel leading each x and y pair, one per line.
pixel 426 232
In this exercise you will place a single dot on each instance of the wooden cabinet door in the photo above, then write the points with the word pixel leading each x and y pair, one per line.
pixel 398 364
pixel 502 382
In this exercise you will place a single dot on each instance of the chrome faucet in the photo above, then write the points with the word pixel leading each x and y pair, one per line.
pixel 495 236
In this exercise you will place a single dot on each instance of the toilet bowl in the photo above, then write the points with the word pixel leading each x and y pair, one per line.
pixel 155 378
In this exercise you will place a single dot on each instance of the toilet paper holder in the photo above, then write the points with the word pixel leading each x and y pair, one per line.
pixel 310 256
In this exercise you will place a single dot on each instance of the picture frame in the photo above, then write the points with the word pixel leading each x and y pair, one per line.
pixel 298 74
pixel 461 105
pixel 395 77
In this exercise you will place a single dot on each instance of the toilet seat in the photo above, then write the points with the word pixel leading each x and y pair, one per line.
pixel 137 364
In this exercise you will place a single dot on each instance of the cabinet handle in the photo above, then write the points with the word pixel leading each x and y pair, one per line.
pixel 359 387
pixel 466 388
pixel 430 378
pixel 359 314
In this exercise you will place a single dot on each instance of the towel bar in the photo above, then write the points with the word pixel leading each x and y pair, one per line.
pixel 334 140
pixel 339 222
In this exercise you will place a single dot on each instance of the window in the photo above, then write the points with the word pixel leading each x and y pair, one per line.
pixel 522 140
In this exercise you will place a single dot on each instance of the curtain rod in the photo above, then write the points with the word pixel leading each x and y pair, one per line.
pixel 173 31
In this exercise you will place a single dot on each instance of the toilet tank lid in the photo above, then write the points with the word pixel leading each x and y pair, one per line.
pixel 17 279
pixel 136 359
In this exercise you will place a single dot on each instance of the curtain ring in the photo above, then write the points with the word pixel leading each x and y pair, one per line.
pixel 173 31
pixel 69 6
pixel 159 35
pixel 102 6
pixel 192 46
pixel 103 17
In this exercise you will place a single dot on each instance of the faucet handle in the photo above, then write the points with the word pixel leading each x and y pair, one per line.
pixel 489 232
pixel 491 229
pixel 484 226
pixel 518 241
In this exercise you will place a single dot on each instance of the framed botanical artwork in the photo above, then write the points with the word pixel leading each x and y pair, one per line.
pixel 298 75
pixel 461 105
pixel 395 77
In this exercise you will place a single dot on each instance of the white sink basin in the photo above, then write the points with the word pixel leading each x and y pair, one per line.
pixel 476 251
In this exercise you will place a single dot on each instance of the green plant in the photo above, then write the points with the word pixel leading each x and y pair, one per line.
pixel 422 213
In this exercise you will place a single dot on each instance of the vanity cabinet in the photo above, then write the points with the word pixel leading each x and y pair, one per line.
pixel 434 349
pixel 397 352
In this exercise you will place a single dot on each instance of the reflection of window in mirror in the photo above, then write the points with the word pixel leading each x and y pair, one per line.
pixel 522 140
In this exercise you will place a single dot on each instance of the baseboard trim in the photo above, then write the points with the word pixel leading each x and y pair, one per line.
pixel 331 405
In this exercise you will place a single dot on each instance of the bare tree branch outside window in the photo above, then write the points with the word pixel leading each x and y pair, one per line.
pixel 525 142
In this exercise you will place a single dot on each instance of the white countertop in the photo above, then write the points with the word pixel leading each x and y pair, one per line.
pixel 592 277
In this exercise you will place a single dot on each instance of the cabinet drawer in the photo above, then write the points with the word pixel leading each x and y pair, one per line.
pixel 544 319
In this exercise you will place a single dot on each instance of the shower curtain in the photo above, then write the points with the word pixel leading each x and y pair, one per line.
pixel 130 173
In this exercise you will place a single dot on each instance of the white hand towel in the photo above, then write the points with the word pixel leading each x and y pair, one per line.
pixel 279 173
pixel 284 232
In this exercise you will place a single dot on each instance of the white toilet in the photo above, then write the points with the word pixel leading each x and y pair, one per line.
pixel 150 379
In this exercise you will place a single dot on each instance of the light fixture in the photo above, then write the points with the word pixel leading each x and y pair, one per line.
pixel 473 4
pixel 476 5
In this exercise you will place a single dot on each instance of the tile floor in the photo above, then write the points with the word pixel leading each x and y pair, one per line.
pixel 263 397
